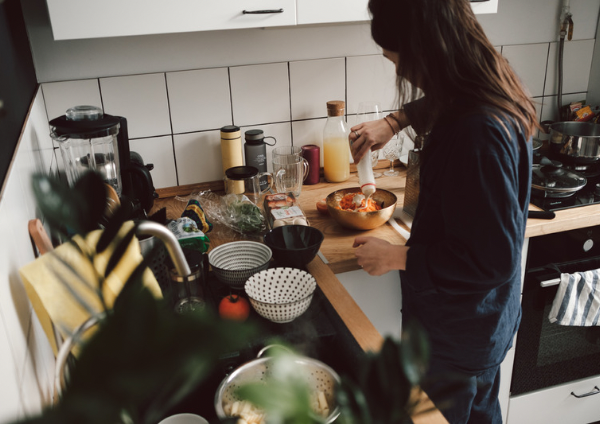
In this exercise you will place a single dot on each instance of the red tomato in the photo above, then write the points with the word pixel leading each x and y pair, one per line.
pixel 234 307
pixel 322 206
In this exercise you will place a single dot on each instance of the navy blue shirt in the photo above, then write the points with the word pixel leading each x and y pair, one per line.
pixel 463 272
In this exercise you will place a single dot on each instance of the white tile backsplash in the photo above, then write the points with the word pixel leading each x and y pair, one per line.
pixel 62 95
pixel 309 132
pixel 158 151
pixel 142 100
pixel 199 99
pixel 522 58
pixel 371 78
pixel 576 67
pixel 313 84
pixel 260 94
pixel 198 157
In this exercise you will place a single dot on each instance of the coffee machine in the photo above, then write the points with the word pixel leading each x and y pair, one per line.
pixel 91 140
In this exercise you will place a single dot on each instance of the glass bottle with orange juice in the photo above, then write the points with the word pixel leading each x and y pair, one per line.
pixel 336 149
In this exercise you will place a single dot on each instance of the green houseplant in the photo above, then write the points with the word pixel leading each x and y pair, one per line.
pixel 141 360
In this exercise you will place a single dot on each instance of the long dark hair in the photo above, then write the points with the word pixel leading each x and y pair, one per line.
pixel 443 49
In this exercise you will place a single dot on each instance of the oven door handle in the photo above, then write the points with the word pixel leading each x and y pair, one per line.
pixel 550 283
pixel 596 391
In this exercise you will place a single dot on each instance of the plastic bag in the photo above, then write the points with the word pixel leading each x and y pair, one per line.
pixel 236 212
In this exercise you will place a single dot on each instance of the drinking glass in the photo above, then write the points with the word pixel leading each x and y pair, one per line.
pixel 391 151
pixel 374 161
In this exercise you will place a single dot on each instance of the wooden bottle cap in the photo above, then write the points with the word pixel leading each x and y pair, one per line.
pixel 335 108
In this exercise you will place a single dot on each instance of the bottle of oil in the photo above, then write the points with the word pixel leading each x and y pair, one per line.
pixel 336 148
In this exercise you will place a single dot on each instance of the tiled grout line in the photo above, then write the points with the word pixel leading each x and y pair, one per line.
pixel 172 132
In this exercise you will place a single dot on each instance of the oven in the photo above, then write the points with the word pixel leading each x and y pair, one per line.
pixel 549 356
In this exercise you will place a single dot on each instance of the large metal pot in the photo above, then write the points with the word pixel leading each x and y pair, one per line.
pixel 577 140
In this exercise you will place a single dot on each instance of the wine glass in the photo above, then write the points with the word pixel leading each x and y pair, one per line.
pixel 391 151
pixel 374 161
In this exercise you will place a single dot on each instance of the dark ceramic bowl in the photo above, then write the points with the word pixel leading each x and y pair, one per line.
pixel 294 245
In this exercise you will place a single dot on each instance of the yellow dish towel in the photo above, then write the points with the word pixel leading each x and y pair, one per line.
pixel 45 281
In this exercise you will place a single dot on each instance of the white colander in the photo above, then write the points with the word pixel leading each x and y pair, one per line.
pixel 319 377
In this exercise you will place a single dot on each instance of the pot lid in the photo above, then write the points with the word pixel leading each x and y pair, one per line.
pixel 241 172
pixel 83 122
pixel 556 179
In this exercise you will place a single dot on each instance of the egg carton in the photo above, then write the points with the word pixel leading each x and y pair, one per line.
pixel 282 209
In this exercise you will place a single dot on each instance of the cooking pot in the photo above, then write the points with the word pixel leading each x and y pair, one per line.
pixel 556 182
pixel 579 141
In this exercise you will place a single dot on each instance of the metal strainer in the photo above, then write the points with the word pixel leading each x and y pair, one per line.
pixel 319 376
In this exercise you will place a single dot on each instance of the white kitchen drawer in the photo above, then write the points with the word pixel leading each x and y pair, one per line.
pixel 557 405
pixel 75 19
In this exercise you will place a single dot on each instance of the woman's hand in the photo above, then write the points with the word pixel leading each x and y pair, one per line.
pixel 377 256
pixel 371 135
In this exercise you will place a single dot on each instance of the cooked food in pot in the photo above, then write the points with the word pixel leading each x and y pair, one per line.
pixel 357 200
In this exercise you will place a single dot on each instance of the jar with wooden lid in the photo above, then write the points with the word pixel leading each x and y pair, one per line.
pixel 336 148
pixel 231 150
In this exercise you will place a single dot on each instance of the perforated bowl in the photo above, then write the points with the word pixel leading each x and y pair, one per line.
pixel 319 377
pixel 233 263
pixel 281 294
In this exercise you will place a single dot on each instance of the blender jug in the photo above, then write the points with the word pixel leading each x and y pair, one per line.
pixel 87 139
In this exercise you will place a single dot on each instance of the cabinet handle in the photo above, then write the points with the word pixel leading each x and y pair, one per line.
pixel 261 12
pixel 596 391
pixel 550 283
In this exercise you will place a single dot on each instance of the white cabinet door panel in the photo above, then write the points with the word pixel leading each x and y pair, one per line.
pixel 557 404
pixel 73 19
pixel 319 11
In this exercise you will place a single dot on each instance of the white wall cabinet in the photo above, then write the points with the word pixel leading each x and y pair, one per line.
pixel 81 19
pixel 77 19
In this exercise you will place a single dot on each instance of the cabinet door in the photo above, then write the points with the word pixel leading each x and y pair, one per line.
pixel 319 11
pixel 73 19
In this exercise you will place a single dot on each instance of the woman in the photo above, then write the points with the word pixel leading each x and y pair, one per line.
pixel 460 269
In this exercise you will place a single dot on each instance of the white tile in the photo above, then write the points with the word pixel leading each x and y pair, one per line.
pixel 9 391
pixel 37 133
pixel 576 67
pixel 38 375
pixel 371 78
pixel 282 132
pixel 313 84
pixel 529 62
pixel 260 94
pixel 199 99
pixel 158 151
pixel 142 100
pixel 309 132
pixel 198 157
pixel 63 95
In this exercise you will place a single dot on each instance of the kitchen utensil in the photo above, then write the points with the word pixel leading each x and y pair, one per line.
pixel 534 214
pixel 246 180
pixel 183 419
pixel 91 140
pixel 579 141
pixel 40 236
pixel 312 154
pixel 362 220
pixel 289 169
pixel 280 294
pixel 319 376
pixel 233 263
pixel 294 245
pixel 255 152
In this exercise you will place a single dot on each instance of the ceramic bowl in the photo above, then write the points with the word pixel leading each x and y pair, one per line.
pixel 233 263
pixel 281 294
pixel 362 220
pixel 294 245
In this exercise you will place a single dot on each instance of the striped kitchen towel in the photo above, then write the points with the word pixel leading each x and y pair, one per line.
pixel 577 301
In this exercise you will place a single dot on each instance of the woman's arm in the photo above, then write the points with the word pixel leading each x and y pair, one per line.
pixel 373 135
